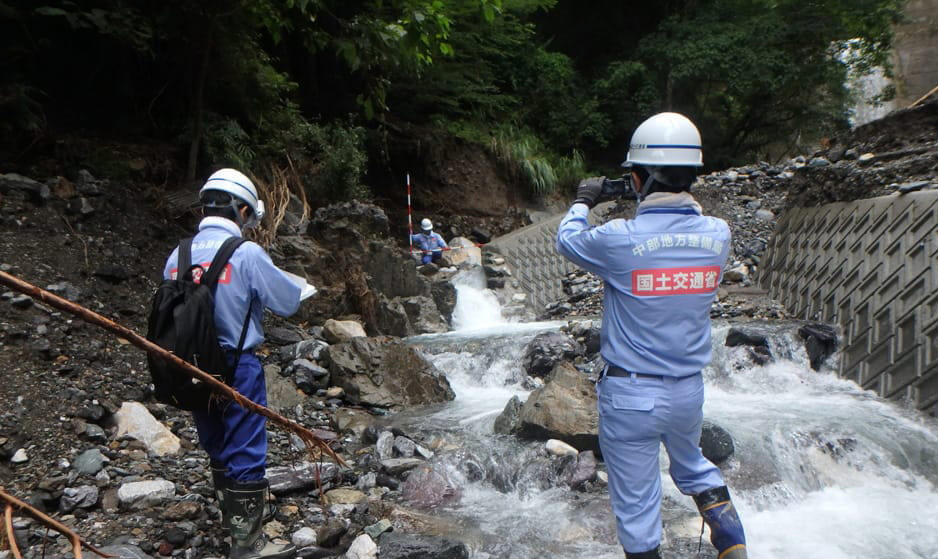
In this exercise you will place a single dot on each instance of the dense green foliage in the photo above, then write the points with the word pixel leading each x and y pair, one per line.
pixel 546 84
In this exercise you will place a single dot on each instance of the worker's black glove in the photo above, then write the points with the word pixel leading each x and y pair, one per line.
pixel 589 190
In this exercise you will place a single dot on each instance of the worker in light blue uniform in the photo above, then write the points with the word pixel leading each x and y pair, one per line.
pixel 431 244
pixel 234 438
pixel 661 271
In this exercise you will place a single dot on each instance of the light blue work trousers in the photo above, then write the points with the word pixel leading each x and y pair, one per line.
pixel 636 415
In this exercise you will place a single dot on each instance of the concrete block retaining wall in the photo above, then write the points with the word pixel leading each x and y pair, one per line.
pixel 872 267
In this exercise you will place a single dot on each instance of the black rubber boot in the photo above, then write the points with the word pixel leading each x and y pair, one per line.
pixel 245 503
pixel 221 481
pixel 650 554
pixel 726 530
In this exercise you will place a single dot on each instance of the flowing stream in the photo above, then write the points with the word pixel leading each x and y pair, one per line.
pixel 822 468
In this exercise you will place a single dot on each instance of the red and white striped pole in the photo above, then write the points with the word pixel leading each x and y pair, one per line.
pixel 410 219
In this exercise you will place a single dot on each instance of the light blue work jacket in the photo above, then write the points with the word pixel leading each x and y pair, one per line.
pixel 661 272
pixel 429 241
pixel 250 274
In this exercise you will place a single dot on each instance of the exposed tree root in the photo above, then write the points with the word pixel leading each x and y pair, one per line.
pixel 12 502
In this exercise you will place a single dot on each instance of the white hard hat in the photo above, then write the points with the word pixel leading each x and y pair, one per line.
pixel 666 139
pixel 426 224
pixel 238 186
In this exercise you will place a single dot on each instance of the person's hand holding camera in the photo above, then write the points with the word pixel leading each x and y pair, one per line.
pixel 589 190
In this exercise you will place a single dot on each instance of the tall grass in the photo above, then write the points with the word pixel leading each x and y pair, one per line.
pixel 529 162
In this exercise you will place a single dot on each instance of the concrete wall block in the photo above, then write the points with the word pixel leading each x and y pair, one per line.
pixel 926 388
pixel 872 266
pixel 904 371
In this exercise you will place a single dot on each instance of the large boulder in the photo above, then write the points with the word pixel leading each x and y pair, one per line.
pixel 820 341
pixel 464 250
pixel 564 408
pixel 444 295
pixel 546 350
pixel 391 317
pixel 385 372
pixel 341 330
pixel 424 316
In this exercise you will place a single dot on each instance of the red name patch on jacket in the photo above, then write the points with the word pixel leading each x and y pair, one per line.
pixel 225 276
pixel 675 281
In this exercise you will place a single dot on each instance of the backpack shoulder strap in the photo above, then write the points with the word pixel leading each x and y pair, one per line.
pixel 231 244
pixel 184 258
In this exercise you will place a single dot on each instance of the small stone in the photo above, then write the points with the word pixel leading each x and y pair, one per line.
pixel 90 462
pixel 602 477
pixel 378 528
pixel 397 466
pixel 866 156
pixel 385 445
pixel 335 392
pixel 345 496
pixel 19 456
pixel 182 510
pixel 559 448
pixel 362 548
pixel 22 301
pixel 765 215
pixel 404 447
pixel 819 162
pixel 84 497
pixel 145 491
pixel 304 537
pixel 274 529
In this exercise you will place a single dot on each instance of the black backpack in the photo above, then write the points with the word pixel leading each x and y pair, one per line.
pixel 182 320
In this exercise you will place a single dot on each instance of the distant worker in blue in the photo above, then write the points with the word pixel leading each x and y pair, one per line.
pixel 431 244
pixel 660 271
pixel 234 438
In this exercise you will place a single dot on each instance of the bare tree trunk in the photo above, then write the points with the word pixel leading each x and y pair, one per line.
pixel 199 103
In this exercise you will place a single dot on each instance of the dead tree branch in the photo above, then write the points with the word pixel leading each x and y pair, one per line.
pixel 314 439
pixel 12 502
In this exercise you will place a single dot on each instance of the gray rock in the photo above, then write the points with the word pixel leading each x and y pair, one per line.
pixel 716 443
pixel 427 487
pixel 367 481
pixel 378 528
pixel 135 420
pixel 38 191
pixel 509 420
pixel 546 350
pixel 89 462
pixel 765 215
pixel 404 447
pixel 95 433
pixel 21 301
pixel 564 408
pixel 819 162
pixel 384 448
pixel 64 289
pixel 336 331
pixel 397 466
pixel 363 547
pixel 145 492
pixel 423 315
pixel 82 497
pixel 282 393
pixel 306 349
pixel 387 373
pixel 309 377
pixel 444 295
pixel 409 546
pixel 304 537
pixel 583 470
pixel 820 342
